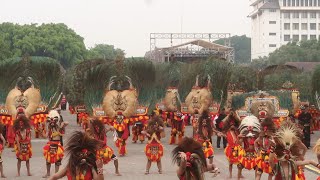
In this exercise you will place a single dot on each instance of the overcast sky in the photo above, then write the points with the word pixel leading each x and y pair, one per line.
pixel 127 24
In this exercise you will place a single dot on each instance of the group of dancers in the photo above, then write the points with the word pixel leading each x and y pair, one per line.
pixel 253 144
pixel 53 151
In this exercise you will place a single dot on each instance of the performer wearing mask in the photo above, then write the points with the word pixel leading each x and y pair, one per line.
pixel 154 148
pixel 82 163
pixel 121 127
pixel 53 150
pixel 286 158
pixel 23 142
pixel 191 161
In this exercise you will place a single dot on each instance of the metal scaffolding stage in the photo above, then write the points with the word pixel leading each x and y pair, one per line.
pixel 202 46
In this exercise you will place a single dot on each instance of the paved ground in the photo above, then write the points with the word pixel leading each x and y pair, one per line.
pixel 132 167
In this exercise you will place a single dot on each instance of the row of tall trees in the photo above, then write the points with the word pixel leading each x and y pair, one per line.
pixel 57 41
pixel 242 48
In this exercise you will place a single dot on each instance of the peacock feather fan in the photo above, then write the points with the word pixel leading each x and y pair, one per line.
pixel 218 70
pixel 46 73
pixel 90 78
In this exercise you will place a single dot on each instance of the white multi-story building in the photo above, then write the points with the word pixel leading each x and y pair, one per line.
pixel 277 22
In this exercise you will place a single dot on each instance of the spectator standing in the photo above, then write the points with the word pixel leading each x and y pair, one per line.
pixel 222 115
pixel 305 120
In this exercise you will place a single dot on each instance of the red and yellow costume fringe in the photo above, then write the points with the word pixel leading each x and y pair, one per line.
pixel 105 153
pixel 247 154
pixel 55 156
pixel 24 153
pixel 38 121
pixel 232 149
pixel 85 175
pixel 208 149
pixel 154 149
pixel 10 134
pixel 262 162
pixel 247 159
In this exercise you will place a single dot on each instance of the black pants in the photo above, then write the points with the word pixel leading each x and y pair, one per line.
pixel 63 107
pixel 224 142
pixel 307 137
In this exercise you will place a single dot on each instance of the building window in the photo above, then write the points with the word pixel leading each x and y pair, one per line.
pixel 306 3
pixel 314 2
pixel 304 26
pixel 310 2
pixel 304 15
pixel 272 10
pixel 302 2
pixel 313 26
pixel 272 45
pixel 313 37
pixel 298 2
pixel 286 26
pixel 293 2
pixel 272 34
pixel 285 3
pixel 304 37
pixel 313 15
pixel 295 38
pixel 286 37
pixel 289 2
pixel 295 15
pixel 318 2
pixel 286 15
pixel 272 22
pixel 295 26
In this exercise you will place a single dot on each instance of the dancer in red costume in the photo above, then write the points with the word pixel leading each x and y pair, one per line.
pixel 105 153
pixel 191 161
pixel 23 141
pixel 53 150
pixel 120 124
pixel 177 131
pixel 249 131
pixel 203 135
pixel 264 145
pixel 82 163
pixel 229 127
pixel 137 128
pixel 154 148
